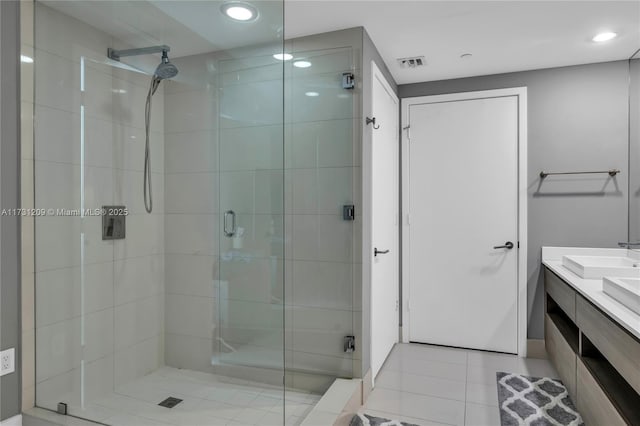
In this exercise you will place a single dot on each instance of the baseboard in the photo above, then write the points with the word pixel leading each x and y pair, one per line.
pixel 12 421
pixel 367 386
pixel 536 349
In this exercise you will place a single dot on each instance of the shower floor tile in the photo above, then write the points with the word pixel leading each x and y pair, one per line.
pixel 207 399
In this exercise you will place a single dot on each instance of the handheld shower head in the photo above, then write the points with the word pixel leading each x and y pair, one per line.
pixel 165 69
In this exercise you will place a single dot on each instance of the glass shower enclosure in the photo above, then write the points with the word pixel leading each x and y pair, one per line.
pixel 173 315
pixel 193 262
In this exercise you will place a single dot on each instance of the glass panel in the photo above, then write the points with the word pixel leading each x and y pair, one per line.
pixel 175 308
pixel 634 148
pixel 251 263
pixel 321 171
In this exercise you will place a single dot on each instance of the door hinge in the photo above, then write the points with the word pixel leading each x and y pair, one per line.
pixel 348 80
pixel 349 344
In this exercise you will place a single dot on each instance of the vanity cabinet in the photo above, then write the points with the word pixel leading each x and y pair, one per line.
pixel 596 359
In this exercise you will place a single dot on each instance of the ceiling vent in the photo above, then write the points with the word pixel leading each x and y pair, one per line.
pixel 414 62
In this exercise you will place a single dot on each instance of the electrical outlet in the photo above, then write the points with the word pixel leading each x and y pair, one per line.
pixel 7 361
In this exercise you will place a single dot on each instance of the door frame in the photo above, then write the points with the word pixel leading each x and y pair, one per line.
pixel 376 74
pixel 521 94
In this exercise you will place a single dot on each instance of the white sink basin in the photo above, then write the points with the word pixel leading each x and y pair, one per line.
pixel 624 290
pixel 596 267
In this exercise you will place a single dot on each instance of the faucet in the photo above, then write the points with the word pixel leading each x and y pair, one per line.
pixel 628 244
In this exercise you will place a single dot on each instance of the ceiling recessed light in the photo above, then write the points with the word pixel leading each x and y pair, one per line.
pixel 283 56
pixel 302 64
pixel 240 11
pixel 26 59
pixel 606 36
pixel 312 94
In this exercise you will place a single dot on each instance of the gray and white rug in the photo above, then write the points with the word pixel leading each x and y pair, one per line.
pixel 368 420
pixel 535 401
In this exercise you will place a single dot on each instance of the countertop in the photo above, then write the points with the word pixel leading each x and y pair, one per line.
pixel 592 289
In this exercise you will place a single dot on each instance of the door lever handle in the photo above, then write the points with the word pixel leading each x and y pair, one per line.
pixel 377 252
pixel 508 245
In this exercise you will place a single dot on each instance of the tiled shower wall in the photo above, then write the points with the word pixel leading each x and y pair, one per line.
pixel 99 319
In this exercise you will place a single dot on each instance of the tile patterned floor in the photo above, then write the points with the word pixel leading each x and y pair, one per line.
pixel 431 385
pixel 207 400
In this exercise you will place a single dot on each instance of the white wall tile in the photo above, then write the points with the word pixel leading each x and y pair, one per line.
pixel 128 148
pixel 68 37
pixel 251 104
pixel 191 111
pixel 322 237
pixel 253 279
pixel 138 278
pixel 98 335
pixel 321 331
pixel 321 190
pixel 252 148
pixel 129 191
pixel 59 86
pixel 191 151
pixel 252 192
pixel 190 275
pixel 190 316
pixel 322 284
pixel 191 234
pixel 98 378
pixel 138 321
pixel 61 293
pixel 138 360
pixel 191 193
pixel 57 242
pixel 58 348
pixel 333 102
pixel 321 144
pixel 58 388
pixel 145 236
pixel 198 357
pixel 263 234
pixel 128 105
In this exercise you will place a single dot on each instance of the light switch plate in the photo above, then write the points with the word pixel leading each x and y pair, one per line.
pixel 7 361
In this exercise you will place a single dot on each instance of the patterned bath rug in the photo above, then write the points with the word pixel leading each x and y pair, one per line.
pixel 535 401
pixel 369 420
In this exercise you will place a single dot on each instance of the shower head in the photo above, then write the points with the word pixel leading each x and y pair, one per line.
pixel 165 69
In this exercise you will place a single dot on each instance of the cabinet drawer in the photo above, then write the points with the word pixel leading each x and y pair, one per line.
pixel 561 355
pixel 592 403
pixel 618 347
pixel 561 292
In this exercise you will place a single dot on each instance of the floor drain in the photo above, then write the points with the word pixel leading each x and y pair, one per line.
pixel 170 402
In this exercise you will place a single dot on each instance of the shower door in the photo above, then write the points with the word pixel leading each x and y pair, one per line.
pixel 250 286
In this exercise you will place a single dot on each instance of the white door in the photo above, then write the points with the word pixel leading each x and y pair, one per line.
pixel 385 287
pixel 463 198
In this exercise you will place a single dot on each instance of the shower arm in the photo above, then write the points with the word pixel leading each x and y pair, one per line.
pixel 117 54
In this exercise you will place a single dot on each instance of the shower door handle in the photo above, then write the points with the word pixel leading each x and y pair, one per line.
pixel 229 214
